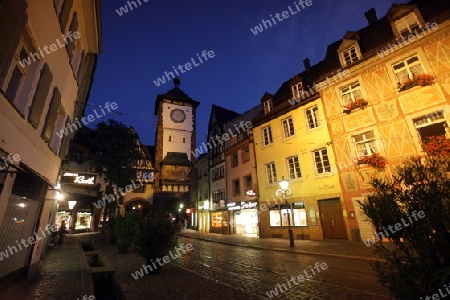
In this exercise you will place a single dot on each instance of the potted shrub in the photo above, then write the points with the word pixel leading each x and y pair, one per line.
pixel 156 237
pixel 125 229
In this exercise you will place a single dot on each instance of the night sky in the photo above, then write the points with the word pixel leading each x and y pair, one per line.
pixel 141 45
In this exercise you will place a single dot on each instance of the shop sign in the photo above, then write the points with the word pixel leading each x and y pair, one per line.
pixel 233 206
pixel 249 205
pixel 79 178
pixel 250 193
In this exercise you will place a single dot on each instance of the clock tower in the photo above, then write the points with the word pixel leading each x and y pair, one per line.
pixel 175 141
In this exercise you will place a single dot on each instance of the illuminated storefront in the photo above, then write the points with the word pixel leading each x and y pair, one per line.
pixel 203 217
pixel 83 220
pixel 62 216
pixel 279 214
pixel 244 217
pixel 83 190
pixel 219 222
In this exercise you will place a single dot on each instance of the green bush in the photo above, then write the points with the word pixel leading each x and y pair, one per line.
pixel 126 227
pixel 418 257
pixel 157 235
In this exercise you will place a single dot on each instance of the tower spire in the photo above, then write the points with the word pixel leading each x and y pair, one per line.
pixel 177 82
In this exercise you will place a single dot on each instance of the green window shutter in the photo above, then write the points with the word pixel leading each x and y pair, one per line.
pixel 40 96
pixel 52 115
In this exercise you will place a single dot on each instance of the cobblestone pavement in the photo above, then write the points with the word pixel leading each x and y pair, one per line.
pixel 172 283
pixel 213 270
pixel 257 271
pixel 63 275
pixel 335 248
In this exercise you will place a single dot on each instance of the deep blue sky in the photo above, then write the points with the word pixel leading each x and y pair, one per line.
pixel 139 46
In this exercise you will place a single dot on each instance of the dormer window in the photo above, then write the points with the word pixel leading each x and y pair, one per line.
pixel 297 90
pixel 268 106
pixel 407 25
pixel 350 55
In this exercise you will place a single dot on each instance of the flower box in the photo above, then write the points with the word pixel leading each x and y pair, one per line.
pixel 437 146
pixel 417 80
pixel 375 161
pixel 358 103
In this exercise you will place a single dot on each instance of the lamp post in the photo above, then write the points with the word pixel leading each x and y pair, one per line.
pixel 285 191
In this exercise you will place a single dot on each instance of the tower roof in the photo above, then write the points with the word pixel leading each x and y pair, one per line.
pixel 176 158
pixel 175 94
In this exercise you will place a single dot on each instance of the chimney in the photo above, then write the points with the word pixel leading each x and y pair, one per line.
pixel 307 64
pixel 371 15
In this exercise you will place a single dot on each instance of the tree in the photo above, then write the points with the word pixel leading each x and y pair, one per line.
pixel 116 157
pixel 119 151
pixel 418 257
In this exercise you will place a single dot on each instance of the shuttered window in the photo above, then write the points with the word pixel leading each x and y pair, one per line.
pixel 64 149
pixel 65 13
pixel 40 96
pixel 71 44
pixel 13 19
pixel 52 115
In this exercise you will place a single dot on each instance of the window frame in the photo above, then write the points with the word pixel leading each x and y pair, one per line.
pixel 368 143
pixel 297 90
pixel 268 106
pixel 267 130
pixel 245 181
pixel 271 173
pixel 244 151
pixel 408 26
pixel 437 117
pixel 348 51
pixel 407 67
pixel 296 167
pixel 234 160
pixel 321 156
pixel 316 122
pixel 351 91
pixel 236 184
pixel 287 127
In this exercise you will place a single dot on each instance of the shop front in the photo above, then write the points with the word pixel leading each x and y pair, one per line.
pixel 244 218
pixel 219 222
pixel 203 216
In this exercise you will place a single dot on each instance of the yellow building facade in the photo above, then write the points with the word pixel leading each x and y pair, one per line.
pixel 395 97
pixel 292 143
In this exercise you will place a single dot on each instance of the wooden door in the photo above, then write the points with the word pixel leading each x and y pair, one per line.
pixel 333 224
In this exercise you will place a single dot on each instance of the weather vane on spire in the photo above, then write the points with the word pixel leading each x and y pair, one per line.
pixel 177 81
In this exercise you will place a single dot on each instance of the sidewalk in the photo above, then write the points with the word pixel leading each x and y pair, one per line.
pixel 335 248
pixel 63 274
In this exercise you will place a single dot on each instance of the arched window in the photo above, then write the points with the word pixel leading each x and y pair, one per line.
pixel 170 138
pixel 184 140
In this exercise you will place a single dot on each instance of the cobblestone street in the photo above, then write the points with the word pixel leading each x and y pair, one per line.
pixel 218 267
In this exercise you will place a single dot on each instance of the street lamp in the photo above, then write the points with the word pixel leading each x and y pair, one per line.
pixel 286 192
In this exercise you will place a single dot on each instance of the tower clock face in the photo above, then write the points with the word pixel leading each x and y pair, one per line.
pixel 177 115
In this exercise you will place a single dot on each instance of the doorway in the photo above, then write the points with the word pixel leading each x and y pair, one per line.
pixel 332 219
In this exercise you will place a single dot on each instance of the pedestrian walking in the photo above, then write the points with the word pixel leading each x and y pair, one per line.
pixel 62 230
pixel 185 223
